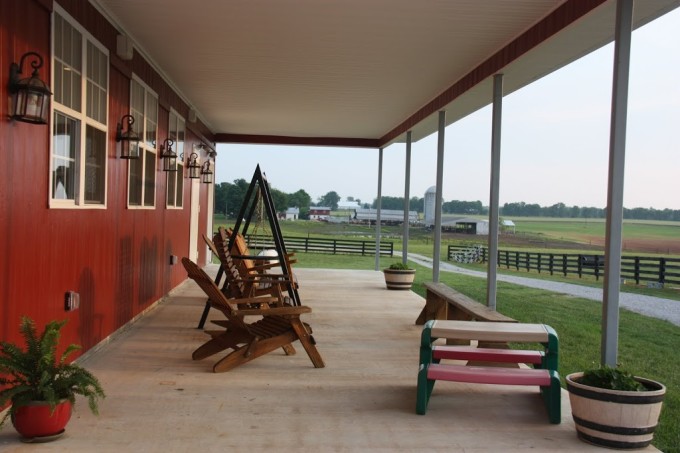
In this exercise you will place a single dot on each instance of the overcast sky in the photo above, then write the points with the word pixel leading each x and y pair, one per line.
pixel 555 141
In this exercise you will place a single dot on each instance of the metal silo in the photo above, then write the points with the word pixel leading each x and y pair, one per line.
pixel 429 205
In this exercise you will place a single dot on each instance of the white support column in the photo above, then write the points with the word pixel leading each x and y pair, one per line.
pixel 378 208
pixel 617 154
pixel 436 255
pixel 407 200
pixel 492 261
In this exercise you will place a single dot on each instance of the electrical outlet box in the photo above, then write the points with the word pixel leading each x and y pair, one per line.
pixel 71 301
pixel 173 260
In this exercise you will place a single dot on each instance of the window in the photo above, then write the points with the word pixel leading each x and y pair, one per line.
pixel 79 118
pixel 142 171
pixel 176 178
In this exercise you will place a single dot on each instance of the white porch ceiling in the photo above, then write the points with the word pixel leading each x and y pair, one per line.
pixel 353 69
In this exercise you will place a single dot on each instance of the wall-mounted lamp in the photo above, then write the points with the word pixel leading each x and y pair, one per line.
pixel 129 140
pixel 168 155
pixel 206 173
pixel 194 167
pixel 30 97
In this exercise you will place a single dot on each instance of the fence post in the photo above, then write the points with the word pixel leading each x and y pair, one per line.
pixel 538 264
pixel 662 270
pixel 597 267
pixel 517 260
pixel 637 270
pixel 564 264
pixel 552 263
pixel 527 256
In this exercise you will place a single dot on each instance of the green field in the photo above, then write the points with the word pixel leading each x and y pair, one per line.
pixel 577 229
pixel 532 233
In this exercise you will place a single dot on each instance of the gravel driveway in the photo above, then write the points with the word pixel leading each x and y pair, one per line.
pixel 656 307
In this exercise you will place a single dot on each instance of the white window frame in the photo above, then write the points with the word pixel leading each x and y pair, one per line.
pixel 179 175
pixel 81 119
pixel 147 147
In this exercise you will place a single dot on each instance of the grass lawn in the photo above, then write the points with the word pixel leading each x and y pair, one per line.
pixel 647 346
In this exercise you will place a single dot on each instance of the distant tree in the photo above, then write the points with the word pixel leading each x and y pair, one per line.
pixel 220 205
pixel 330 200
pixel 229 197
pixel 280 200
pixel 417 204
pixel 394 203
pixel 300 199
pixel 463 207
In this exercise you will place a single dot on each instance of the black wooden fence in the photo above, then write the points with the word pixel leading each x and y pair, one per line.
pixel 656 269
pixel 323 245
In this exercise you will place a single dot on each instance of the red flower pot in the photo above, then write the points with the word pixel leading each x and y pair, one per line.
pixel 36 420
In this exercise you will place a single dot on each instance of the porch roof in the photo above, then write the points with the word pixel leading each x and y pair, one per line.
pixel 356 73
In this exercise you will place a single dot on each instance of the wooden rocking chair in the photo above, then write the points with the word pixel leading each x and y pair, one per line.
pixel 236 287
pixel 277 328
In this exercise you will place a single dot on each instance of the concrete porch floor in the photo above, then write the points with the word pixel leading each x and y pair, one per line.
pixel 159 400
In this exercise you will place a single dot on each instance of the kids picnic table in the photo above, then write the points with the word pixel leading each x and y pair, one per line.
pixel 544 361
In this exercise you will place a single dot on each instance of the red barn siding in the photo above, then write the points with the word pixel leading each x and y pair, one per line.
pixel 118 259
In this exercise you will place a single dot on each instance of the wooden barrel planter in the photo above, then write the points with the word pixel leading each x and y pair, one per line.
pixel 615 418
pixel 399 278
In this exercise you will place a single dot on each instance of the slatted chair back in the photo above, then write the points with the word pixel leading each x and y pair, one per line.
pixel 217 298
pixel 239 248
pixel 234 285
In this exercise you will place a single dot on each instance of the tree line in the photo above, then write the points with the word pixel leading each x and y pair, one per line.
pixel 229 198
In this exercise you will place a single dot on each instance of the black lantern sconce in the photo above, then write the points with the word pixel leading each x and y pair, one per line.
pixel 168 155
pixel 194 166
pixel 30 97
pixel 129 140
pixel 207 173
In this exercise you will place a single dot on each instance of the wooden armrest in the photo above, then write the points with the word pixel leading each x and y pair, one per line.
pixel 280 311
pixel 263 279
pixel 263 267
pixel 253 300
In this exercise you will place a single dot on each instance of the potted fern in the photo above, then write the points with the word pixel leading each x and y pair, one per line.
pixel 612 408
pixel 399 276
pixel 41 386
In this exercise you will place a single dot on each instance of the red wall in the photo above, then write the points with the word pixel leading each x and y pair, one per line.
pixel 118 259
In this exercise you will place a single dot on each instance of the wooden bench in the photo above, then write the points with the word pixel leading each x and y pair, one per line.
pixel 443 302
pixel 545 361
